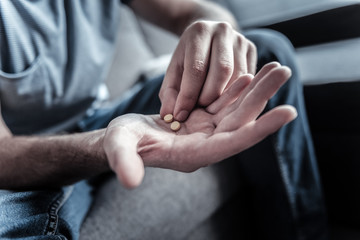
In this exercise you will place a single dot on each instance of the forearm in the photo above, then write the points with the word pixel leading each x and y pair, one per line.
pixel 50 161
pixel 206 10
pixel 177 15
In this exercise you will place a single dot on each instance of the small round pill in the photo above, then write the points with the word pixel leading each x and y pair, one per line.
pixel 168 118
pixel 175 126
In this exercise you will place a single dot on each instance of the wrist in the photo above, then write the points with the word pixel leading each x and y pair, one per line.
pixel 207 12
pixel 96 147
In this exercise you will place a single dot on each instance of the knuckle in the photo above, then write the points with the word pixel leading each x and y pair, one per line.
pixel 161 94
pixel 252 48
pixel 239 39
pixel 200 27
pixel 224 27
pixel 198 69
pixel 225 68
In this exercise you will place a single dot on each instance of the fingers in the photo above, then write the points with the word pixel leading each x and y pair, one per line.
pixel 171 84
pixel 259 76
pixel 232 55
pixel 251 58
pixel 120 148
pixel 272 121
pixel 230 94
pixel 169 91
pixel 208 59
pixel 246 136
pixel 221 64
pixel 255 100
pixel 245 58
pixel 254 103
pixel 269 123
pixel 196 61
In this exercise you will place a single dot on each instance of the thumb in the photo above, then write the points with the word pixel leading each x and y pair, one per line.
pixel 121 150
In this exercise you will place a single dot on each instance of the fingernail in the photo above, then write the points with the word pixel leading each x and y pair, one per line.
pixel 294 112
pixel 182 115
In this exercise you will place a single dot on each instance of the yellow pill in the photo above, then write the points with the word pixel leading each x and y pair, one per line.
pixel 168 118
pixel 175 126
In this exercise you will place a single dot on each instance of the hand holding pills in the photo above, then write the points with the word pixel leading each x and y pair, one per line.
pixel 210 56
pixel 226 127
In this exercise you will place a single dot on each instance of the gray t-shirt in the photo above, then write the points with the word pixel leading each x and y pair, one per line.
pixel 54 57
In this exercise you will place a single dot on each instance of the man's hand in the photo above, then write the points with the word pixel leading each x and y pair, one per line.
pixel 210 56
pixel 226 127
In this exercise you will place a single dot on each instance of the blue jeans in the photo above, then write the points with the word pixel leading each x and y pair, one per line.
pixel 284 195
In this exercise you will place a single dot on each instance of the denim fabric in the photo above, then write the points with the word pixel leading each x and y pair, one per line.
pixel 46 214
pixel 284 195
pixel 287 175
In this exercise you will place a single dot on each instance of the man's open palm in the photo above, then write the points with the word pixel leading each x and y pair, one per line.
pixel 228 126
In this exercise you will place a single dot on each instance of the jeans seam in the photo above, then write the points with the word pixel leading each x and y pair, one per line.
pixel 53 209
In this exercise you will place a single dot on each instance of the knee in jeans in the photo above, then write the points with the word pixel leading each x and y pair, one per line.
pixel 272 46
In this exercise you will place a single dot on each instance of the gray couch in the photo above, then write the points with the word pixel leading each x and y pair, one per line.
pixel 144 50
